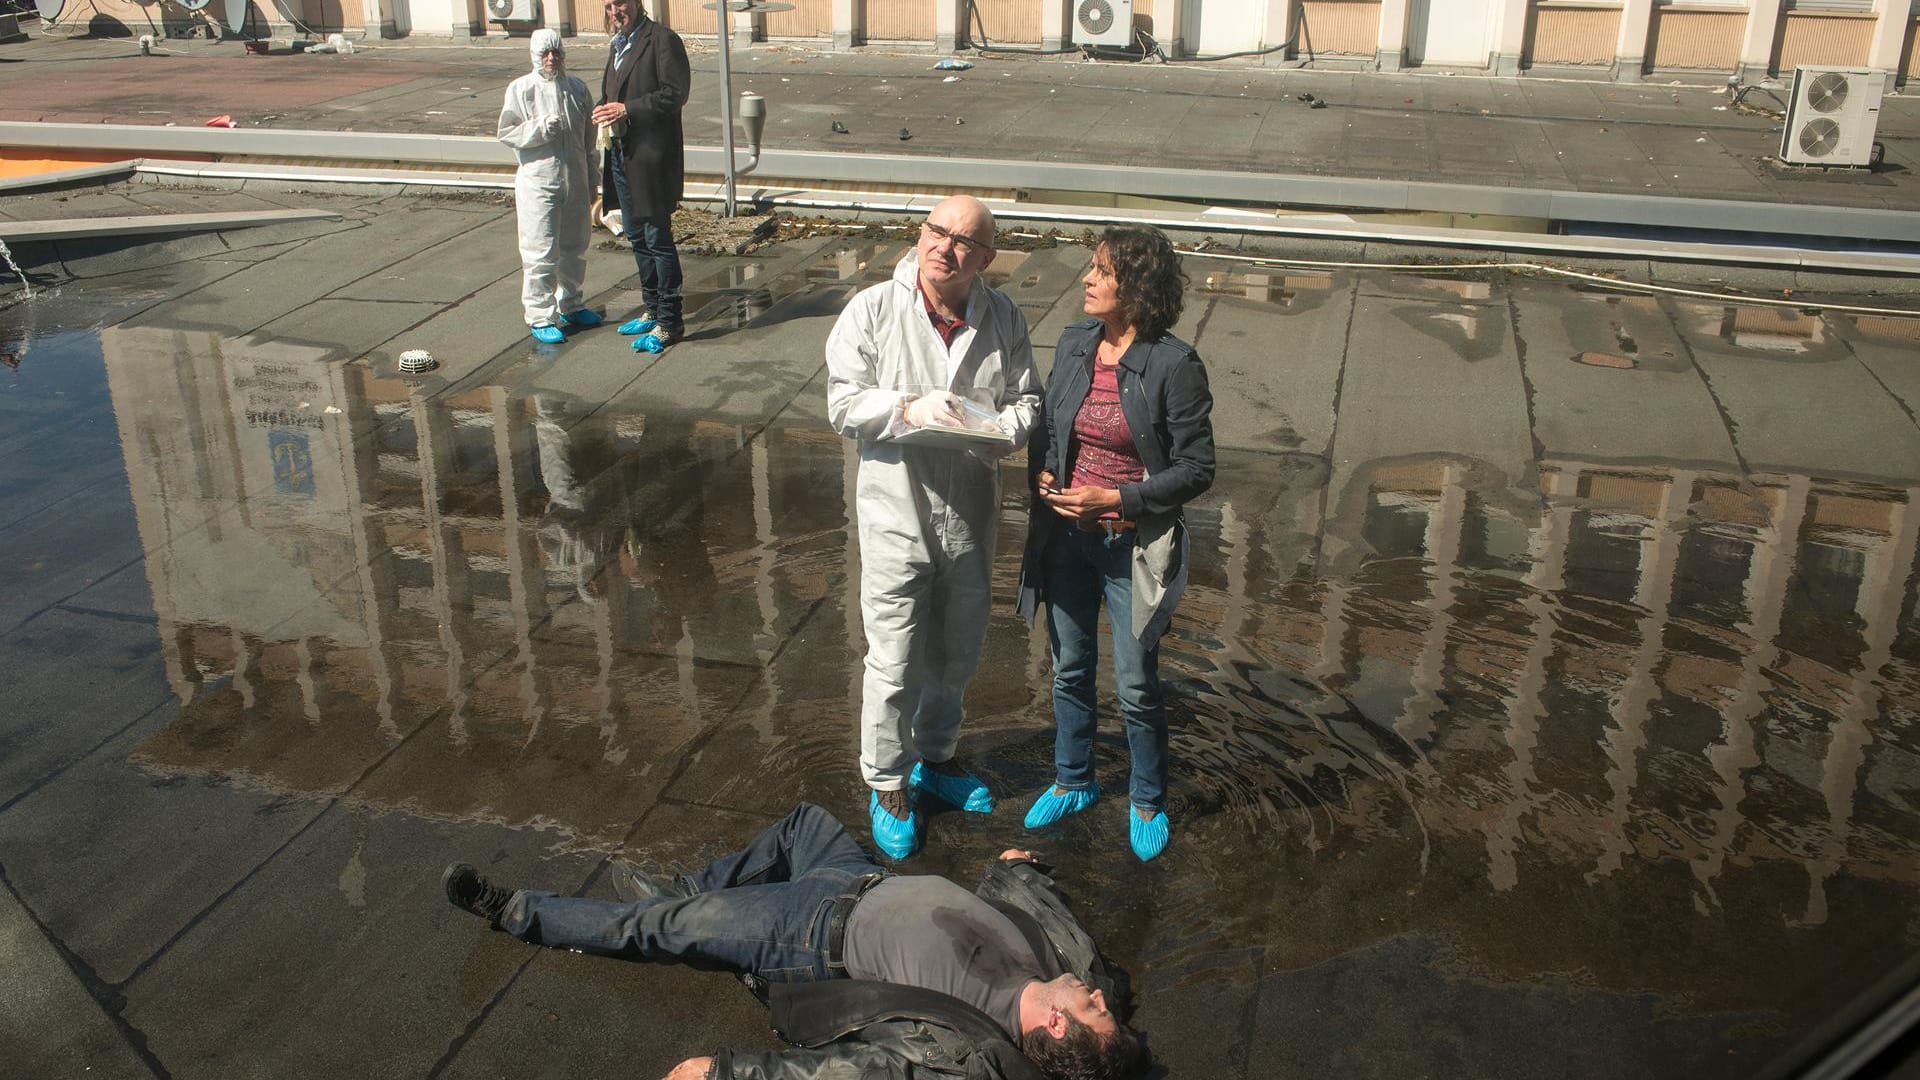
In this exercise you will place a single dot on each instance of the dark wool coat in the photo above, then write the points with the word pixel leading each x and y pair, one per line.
pixel 652 79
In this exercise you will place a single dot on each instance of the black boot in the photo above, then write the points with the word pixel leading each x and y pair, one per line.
pixel 468 891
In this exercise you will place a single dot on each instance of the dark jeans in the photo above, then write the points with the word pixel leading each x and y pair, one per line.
pixel 1084 569
pixel 765 909
pixel 653 251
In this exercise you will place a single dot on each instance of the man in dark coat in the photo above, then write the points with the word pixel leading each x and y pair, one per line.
pixel 641 95
pixel 868 974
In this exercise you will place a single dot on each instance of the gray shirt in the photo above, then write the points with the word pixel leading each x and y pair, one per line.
pixel 933 934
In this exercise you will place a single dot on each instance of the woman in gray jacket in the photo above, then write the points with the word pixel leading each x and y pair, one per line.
pixel 1124 440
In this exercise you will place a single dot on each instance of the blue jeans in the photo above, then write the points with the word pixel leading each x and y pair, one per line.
pixel 765 910
pixel 653 252
pixel 1082 569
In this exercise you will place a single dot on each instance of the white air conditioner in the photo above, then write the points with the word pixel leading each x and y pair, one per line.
pixel 1831 116
pixel 1103 22
pixel 513 10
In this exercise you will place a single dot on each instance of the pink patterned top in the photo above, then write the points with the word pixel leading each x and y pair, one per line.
pixel 1102 450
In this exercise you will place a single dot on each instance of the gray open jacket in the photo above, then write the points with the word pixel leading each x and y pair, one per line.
pixel 1169 408
pixel 880 1031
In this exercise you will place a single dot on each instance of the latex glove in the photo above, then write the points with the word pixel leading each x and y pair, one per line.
pixel 934 410
pixel 550 127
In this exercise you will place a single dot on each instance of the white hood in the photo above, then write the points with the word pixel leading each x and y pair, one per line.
pixel 547 40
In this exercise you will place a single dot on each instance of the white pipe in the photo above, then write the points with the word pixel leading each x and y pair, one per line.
pixel 1785 259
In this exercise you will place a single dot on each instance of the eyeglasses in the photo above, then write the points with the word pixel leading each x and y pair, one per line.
pixel 967 244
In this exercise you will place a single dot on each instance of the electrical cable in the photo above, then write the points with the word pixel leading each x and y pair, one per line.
pixel 1299 24
pixel 1740 100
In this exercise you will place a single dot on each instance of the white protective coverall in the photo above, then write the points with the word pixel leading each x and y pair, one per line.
pixel 545 120
pixel 927 514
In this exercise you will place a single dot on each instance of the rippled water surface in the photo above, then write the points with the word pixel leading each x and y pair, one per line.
pixel 1473 764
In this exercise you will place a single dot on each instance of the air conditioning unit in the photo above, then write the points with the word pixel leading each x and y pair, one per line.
pixel 1103 22
pixel 513 10
pixel 1831 116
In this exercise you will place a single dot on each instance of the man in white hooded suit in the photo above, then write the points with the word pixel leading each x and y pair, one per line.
pixel 545 118
pixel 924 349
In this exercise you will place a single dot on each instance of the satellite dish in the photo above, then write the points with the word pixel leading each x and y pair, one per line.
pixel 50 9
pixel 193 5
pixel 237 15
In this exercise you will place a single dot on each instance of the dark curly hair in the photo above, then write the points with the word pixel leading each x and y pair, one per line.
pixel 1151 283
pixel 1084 1054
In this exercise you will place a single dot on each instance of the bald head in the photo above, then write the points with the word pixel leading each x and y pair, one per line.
pixel 956 243
pixel 966 214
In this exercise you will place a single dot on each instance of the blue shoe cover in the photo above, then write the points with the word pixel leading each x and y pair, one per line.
pixel 583 318
pixel 1051 806
pixel 638 326
pixel 648 343
pixel 895 838
pixel 1149 837
pixel 966 792
pixel 548 334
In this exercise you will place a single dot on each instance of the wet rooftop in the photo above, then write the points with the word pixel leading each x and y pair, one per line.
pixel 1544 702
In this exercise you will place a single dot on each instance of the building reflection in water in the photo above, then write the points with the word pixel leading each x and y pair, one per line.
pixel 514 605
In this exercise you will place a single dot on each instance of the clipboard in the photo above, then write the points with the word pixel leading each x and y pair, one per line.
pixel 953 438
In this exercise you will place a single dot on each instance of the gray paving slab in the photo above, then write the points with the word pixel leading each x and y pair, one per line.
pixel 278 971
pixel 1215 129
pixel 125 593
pixel 310 270
pixel 804 712
pixel 117 900
pixel 50 1024
pixel 553 1020
pixel 94 537
pixel 487 326
pixel 1780 375
pixel 744 375
pixel 71 682
pixel 1280 346
pixel 67 460
pixel 1431 378
pixel 601 741
pixel 1204 1009
pixel 1658 409
pixel 347 328
pixel 1274 505
pixel 1071 261
pixel 1318 1018
pixel 1886 347
pixel 450 270
pixel 62 389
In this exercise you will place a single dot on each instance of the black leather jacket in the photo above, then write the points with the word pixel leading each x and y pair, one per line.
pixel 880 1031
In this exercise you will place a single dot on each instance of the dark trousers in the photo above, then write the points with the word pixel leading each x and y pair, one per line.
pixel 653 252
pixel 766 909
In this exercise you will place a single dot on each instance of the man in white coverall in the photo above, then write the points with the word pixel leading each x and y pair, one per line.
pixel 928 348
pixel 545 120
